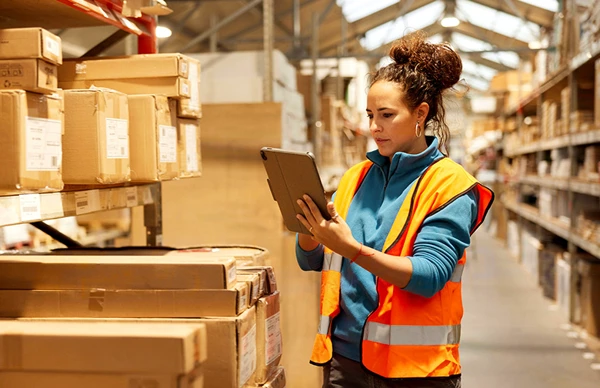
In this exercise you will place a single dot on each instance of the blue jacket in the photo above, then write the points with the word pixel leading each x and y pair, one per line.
pixel 438 247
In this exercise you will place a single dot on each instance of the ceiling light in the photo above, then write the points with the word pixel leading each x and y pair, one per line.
pixel 163 32
pixel 450 21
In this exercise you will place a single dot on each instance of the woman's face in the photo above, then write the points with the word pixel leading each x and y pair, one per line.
pixel 392 123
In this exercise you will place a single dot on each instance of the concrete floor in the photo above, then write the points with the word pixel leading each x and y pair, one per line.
pixel 511 337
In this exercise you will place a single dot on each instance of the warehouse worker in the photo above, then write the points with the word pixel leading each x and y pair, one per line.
pixel 393 253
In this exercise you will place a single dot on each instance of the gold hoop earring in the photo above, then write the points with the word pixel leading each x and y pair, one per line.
pixel 418 131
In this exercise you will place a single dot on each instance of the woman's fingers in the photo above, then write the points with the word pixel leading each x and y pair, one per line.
pixel 332 212
pixel 304 222
pixel 307 212
pixel 316 213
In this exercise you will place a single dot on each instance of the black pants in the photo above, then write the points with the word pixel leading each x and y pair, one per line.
pixel 342 372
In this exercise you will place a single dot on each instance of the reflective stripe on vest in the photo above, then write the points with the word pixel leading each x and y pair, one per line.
pixel 332 262
pixel 457 273
pixel 324 324
pixel 412 335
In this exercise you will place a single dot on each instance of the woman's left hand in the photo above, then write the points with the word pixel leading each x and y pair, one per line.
pixel 335 234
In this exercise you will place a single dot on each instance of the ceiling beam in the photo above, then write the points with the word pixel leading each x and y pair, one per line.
pixel 359 27
pixel 534 14
pixel 492 37
pixel 477 58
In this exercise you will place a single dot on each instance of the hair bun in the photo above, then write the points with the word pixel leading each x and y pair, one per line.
pixel 438 62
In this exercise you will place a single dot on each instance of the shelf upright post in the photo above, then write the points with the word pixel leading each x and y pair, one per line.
pixel 148 44
pixel 268 39
pixel 317 131
pixel 153 217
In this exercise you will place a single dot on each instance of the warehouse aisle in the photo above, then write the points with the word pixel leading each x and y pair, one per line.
pixel 510 336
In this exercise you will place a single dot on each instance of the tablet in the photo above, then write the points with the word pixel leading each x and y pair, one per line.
pixel 291 174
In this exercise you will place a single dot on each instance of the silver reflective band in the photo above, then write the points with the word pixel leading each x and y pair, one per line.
pixel 457 273
pixel 332 262
pixel 324 325
pixel 412 335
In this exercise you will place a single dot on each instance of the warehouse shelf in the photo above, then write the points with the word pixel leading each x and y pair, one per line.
pixel 581 138
pixel 552 225
pixel 551 82
pixel 24 208
pixel 584 57
pixel 574 185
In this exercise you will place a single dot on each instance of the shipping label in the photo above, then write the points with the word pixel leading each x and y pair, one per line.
pixel 117 139
pixel 167 144
pixel 43 143
pixel 273 338
pixel 195 86
pixel 232 274
pixel 87 201
pixel 247 357
pixel 191 148
pixel 52 46
pixel 31 208
pixel 132 196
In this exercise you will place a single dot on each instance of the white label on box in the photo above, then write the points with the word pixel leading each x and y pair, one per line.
pixel 167 144
pixel 273 337
pixel 191 147
pixel 43 143
pixel 87 201
pixel 247 356
pixel 195 86
pixel 52 45
pixel 147 196
pixel 183 68
pixel 53 206
pixel 231 275
pixel 243 301
pixel 117 139
pixel 254 291
pixel 185 89
pixel 30 207
pixel 132 196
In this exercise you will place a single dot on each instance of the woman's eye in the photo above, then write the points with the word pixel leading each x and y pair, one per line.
pixel 387 115
pixel 370 117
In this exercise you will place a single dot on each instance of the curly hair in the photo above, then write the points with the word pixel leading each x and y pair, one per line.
pixel 424 71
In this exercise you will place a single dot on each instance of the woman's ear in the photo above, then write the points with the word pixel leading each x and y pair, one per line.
pixel 422 112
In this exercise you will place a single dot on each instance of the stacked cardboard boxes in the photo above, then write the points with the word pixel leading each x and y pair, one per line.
pixel 93 355
pixel 227 289
pixel 164 108
pixel 32 111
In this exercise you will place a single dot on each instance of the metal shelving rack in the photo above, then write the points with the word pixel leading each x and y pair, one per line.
pixel 578 68
pixel 36 208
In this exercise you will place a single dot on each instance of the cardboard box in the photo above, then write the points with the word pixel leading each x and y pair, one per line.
pixel 185 109
pixel 153 130
pixel 33 75
pixel 126 67
pixel 96 141
pixel 247 255
pixel 590 294
pixel 254 286
pixel 190 107
pixel 190 155
pixel 124 303
pixel 268 338
pixel 22 43
pixel 270 283
pixel 175 87
pixel 277 380
pixel 104 347
pixel 30 272
pixel 230 343
pixel 99 380
pixel 31 141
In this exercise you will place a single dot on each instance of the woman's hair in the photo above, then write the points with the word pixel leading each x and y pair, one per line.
pixel 424 70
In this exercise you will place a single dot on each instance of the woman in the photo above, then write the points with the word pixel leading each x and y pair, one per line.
pixel 392 254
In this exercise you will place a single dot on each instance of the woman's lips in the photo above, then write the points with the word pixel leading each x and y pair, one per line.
pixel 380 141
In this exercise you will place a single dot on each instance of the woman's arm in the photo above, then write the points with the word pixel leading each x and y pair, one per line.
pixel 438 247
pixel 309 255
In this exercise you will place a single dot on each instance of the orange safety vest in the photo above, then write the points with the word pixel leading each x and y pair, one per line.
pixel 407 335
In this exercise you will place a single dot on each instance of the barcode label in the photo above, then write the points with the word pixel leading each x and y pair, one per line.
pixel 117 138
pixel 30 207
pixel 132 197
pixel 53 46
pixel 247 356
pixel 167 144
pixel 243 302
pixel 191 147
pixel 184 68
pixel 185 89
pixel 87 201
pixel 43 144
pixel 273 339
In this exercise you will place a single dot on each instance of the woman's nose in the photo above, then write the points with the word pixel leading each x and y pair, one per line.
pixel 374 127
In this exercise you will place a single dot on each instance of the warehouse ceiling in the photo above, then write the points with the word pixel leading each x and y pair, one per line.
pixel 491 34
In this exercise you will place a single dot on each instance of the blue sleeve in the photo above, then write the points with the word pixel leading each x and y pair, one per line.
pixel 309 260
pixel 439 245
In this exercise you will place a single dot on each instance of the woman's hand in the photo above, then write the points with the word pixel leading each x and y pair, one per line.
pixel 334 234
